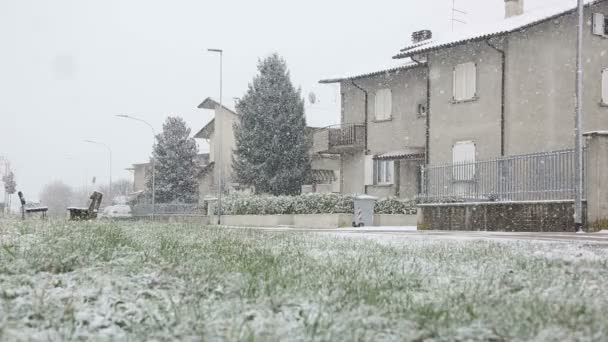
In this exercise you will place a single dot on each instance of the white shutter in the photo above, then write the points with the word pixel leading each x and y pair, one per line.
pixel 368 171
pixel 388 103
pixel 390 170
pixel 599 24
pixel 471 80
pixel 605 86
pixel 463 152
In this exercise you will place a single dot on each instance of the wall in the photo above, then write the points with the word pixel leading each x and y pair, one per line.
pixel 550 216
pixel 224 121
pixel 140 172
pixel 477 120
pixel 540 86
pixel 596 181
pixel 404 129
pixel 539 91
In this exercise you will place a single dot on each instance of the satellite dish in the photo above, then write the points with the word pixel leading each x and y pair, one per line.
pixel 312 98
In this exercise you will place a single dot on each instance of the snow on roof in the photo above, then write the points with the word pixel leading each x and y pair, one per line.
pixel 408 153
pixel 210 103
pixel 503 27
pixel 388 69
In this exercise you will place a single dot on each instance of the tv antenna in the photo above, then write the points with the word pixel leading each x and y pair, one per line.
pixel 456 13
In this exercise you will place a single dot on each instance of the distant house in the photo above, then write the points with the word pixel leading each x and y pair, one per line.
pixel 325 168
pixel 143 171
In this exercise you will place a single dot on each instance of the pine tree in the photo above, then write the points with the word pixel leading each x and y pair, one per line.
pixel 272 146
pixel 174 161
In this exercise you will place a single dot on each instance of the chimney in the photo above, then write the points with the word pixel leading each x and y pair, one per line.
pixel 420 36
pixel 514 8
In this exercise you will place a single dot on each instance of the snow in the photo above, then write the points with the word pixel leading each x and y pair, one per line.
pixel 391 67
pixel 508 25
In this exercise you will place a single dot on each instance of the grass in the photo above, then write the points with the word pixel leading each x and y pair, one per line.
pixel 143 281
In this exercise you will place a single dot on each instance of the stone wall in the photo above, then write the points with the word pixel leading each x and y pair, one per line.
pixel 542 216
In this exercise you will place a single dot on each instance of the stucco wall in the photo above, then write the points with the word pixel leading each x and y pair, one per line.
pixel 477 120
pixel 540 86
pixel 405 128
pixel 539 91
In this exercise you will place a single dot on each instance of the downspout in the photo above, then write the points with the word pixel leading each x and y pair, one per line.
pixel 365 111
pixel 502 97
pixel 428 111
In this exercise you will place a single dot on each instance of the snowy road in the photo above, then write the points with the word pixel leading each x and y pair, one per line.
pixel 600 238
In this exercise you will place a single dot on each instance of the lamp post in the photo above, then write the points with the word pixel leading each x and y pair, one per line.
pixel 219 149
pixel 153 168
pixel 578 142
pixel 109 163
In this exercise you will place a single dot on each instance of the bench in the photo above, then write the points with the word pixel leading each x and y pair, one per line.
pixel 89 213
pixel 31 210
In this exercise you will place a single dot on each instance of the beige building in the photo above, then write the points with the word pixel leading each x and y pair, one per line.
pixel 325 168
pixel 510 89
pixel 381 136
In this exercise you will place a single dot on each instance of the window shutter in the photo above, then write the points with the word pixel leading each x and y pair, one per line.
pixel 369 170
pixel 605 86
pixel 463 152
pixel 388 103
pixel 471 80
pixel 599 24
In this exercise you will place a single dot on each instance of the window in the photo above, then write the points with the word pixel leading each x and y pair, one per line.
pixel 383 171
pixel 605 86
pixel 383 104
pixel 465 81
pixel 600 24
pixel 463 158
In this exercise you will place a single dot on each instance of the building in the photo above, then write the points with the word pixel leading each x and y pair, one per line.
pixel 381 135
pixel 143 171
pixel 509 89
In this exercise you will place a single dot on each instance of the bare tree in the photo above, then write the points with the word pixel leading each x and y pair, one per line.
pixel 57 197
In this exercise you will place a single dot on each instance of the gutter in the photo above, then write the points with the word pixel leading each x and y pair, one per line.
pixel 427 133
pixel 502 96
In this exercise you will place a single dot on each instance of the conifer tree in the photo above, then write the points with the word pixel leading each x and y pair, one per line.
pixel 272 144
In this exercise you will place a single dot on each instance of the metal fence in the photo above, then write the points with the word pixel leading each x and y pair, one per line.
pixel 346 134
pixel 168 209
pixel 532 177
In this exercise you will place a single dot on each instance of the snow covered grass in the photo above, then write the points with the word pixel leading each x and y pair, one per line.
pixel 142 281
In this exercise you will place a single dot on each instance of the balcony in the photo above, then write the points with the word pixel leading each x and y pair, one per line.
pixel 346 138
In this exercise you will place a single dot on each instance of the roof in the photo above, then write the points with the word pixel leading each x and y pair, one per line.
pixel 210 103
pixel 385 70
pixel 407 153
pixel 205 132
pixel 499 28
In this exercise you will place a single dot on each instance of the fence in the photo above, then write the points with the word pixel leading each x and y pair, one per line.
pixel 347 134
pixel 532 177
pixel 166 209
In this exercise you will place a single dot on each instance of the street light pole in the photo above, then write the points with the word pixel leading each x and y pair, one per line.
pixel 153 160
pixel 578 142
pixel 219 138
pixel 109 163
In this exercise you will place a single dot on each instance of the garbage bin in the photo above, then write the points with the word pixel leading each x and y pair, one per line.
pixel 364 210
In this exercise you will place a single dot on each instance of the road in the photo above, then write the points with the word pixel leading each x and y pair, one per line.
pixel 600 238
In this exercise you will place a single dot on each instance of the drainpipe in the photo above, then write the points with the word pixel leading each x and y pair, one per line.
pixel 502 97
pixel 366 128
pixel 428 111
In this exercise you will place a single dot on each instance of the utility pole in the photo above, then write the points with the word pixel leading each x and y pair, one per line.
pixel 578 142
pixel 219 138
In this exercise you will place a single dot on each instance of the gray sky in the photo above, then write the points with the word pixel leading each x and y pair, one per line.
pixel 67 67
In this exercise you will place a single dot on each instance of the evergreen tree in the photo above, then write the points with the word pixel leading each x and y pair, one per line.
pixel 176 169
pixel 272 145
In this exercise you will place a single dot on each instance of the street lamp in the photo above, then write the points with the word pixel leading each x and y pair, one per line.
pixel 578 137
pixel 219 138
pixel 109 163
pixel 153 168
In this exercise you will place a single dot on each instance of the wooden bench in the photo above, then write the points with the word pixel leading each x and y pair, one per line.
pixel 87 213
pixel 31 210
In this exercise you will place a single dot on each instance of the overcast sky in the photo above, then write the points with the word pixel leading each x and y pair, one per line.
pixel 67 67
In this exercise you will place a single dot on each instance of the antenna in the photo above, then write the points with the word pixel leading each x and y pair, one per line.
pixel 457 12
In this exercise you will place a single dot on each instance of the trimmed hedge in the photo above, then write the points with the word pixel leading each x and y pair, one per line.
pixel 314 203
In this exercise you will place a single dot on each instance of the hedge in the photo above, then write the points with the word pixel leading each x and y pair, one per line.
pixel 314 203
